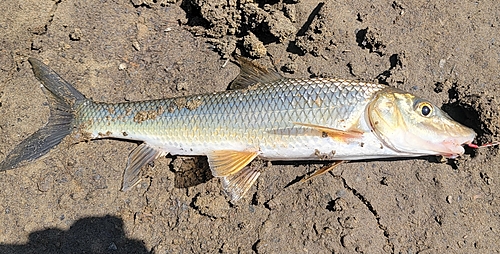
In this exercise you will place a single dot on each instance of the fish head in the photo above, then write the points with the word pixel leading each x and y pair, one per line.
pixel 414 126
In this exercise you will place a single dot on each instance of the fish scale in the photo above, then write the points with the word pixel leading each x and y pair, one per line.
pixel 271 117
pixel 253 118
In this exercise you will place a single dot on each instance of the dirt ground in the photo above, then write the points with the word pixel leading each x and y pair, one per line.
pixel 124 50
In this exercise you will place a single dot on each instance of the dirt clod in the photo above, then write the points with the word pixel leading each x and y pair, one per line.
pixel 253 46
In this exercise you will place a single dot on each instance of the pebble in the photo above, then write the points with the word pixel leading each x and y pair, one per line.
pixel 44 183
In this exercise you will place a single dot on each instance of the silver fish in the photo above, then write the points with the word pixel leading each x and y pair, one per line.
pixel 271 117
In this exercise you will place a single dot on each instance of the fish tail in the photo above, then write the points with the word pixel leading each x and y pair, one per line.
pixel 63 100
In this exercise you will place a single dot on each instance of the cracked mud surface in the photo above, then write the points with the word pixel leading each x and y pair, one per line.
pixel 69 201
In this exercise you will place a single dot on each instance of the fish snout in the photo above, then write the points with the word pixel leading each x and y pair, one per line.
pixel 454 147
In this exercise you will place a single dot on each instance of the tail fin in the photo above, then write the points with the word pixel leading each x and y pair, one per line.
pixel 63 99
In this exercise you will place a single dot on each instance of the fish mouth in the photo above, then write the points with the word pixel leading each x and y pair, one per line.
pixel 453 148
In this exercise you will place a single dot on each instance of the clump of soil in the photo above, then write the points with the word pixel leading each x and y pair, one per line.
pixel 247 23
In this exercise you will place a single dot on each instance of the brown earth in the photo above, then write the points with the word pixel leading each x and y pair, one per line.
pixel 69 201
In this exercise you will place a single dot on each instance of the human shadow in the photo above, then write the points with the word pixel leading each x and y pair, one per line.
pixel 87 235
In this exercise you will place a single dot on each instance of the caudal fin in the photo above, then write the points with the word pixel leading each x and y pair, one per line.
pixel 63 99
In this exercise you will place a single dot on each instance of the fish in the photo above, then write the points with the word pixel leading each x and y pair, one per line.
pixel 264 116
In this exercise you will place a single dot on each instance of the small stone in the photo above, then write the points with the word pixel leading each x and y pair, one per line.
pixel 182 86
pixel 384 181
pixel 112 246
pixel 37 44
pixel 442 62
pixel 337 205
pixel 122 66
pixel 449 199
pixel 76 35
pixel 45 183
pixel 177 165
pixel 136 3
pixel 289 68
pixel 136 45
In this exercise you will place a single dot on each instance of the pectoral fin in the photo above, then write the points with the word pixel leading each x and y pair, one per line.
pixel 140 156
pixel 230 165
pixel 333 133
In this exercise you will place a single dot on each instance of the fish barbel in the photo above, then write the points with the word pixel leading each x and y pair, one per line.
pixel 272 117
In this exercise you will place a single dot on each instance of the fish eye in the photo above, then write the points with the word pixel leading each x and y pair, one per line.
pixel 425 109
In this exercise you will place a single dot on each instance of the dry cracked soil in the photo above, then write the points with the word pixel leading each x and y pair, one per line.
pixel 69 201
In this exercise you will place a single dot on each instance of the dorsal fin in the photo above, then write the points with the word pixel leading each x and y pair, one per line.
pixel 252 73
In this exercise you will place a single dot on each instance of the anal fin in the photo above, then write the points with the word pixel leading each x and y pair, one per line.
pixel 140 156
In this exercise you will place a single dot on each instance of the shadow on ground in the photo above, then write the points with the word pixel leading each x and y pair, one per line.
pixel 88 235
